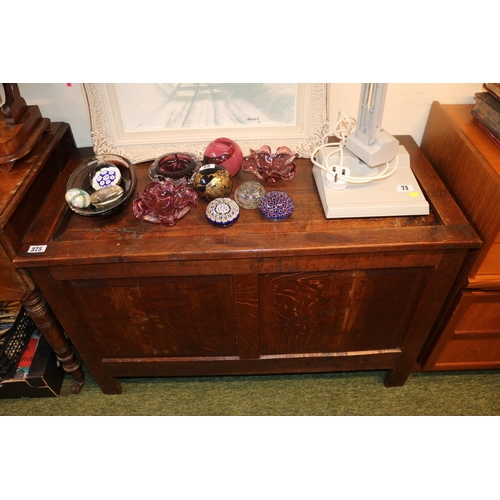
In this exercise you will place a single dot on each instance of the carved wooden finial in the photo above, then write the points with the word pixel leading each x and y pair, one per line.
pixel 15 106
pixel 21 127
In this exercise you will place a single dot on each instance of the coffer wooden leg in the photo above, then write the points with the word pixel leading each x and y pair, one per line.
pixel 48 326
pixel 396 378
pixel 108 385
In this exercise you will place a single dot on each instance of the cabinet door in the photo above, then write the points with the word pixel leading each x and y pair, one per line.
pixel 320 312
pixel 471 339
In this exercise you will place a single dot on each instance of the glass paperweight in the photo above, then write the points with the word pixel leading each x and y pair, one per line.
pixel 165 202
pixel 107 175
pixel 106 196
pixel 212 181
pixel 248 195
pixel 77 198
pixel 271 167
pixel 276 206
pixel 222 212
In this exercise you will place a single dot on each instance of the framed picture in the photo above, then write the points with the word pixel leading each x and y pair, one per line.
pixel 143 121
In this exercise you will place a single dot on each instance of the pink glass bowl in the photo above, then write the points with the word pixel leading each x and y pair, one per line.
pixel 224 152
pixel 271 167
pixel 164 202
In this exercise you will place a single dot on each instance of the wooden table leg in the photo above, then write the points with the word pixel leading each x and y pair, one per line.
pixel 396 378
pixel 44 319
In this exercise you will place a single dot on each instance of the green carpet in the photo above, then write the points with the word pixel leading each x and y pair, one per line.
pixel 347 394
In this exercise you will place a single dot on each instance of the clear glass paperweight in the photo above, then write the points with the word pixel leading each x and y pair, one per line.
pixel 248 195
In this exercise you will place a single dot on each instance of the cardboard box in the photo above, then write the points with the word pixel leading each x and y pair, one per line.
pixel 39 374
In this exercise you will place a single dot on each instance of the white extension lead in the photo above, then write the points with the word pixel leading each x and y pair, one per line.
pixel 338 176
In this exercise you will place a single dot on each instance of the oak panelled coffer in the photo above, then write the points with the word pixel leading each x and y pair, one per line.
pixel 303 295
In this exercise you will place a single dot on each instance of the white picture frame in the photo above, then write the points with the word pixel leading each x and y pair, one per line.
pixel 111 133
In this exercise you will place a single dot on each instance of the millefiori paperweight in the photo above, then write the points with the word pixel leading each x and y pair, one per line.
pixel 222 212
pixel 276 206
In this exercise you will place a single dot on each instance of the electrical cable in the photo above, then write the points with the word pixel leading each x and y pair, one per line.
pixel 343 127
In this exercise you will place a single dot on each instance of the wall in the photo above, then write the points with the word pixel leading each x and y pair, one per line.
pixel 407 105
pixel 406 109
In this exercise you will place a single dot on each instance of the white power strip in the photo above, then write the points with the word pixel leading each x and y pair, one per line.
pixel 397 195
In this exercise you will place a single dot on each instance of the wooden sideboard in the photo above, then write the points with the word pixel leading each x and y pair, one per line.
pixel 467 334
pixel 23 190
pixel 303 295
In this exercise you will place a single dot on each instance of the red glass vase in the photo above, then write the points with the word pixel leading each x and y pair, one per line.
pixel 226 153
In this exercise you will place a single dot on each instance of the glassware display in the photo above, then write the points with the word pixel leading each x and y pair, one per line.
pixel 112 173
pixel 224 152
pixel 165 202
pixel 271 167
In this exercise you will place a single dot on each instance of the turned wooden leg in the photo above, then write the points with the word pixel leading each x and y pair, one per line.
pixel 39 311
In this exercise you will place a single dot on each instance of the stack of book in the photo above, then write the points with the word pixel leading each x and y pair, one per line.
pixel 486 111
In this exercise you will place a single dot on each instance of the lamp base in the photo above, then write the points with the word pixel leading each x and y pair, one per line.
pixel 397 195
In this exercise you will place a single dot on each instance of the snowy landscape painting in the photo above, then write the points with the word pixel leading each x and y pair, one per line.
pixel 192 105
pixel 144 120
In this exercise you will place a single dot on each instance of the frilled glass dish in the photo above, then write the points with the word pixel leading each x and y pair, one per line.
pixel 112 196
pixel 271 167
pixel 165 202
pixel 173 166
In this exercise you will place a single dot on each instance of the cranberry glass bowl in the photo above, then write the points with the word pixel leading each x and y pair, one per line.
pixel 165 202
pixel 271 167
pixel 172 166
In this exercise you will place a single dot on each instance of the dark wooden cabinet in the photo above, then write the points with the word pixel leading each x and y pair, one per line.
pixel 23 191
pixel 467 334
pixel 304 295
